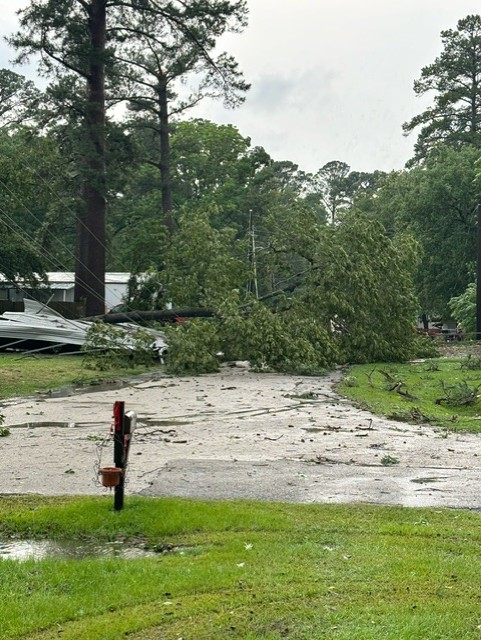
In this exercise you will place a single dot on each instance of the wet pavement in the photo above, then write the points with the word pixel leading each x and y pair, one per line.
pixel 237 434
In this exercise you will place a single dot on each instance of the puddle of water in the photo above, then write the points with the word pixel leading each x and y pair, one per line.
pixel 39 549
pixel 52 425
pixel 428 480
pixel 48 425
pixel 150 422
pixel 100 385
pixel 143 422
pixel 65 392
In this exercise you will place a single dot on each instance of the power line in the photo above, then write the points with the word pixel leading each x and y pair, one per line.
pixel 76 218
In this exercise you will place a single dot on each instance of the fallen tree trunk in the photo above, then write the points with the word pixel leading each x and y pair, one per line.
pixel 164 315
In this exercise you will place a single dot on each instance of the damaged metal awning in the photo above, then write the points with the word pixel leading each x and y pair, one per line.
pixel 42 328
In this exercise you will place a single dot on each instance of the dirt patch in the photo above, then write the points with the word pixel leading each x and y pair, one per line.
pixel 238 434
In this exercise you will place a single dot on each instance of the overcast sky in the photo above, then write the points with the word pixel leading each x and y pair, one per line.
pixel 331 79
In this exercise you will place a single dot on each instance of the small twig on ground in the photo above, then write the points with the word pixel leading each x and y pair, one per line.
pixel 369 377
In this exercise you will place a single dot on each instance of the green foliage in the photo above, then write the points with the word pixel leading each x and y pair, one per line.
pixel 350 381
pixel 211 164
pixel 425 347
pixel 335 188
pixel 389 460
pixel 193 346
pixel 138 235
pixel 202 267
pixel 265 341
pixel 454 118
pixel 432 365
pixel 33 190
pixel 371 293
pixel 436 204
pixel 339 305
pixel 186 50
pixel 288 342
pixel 108 346
pixel 269 341
pixel 3 430
pixel 290 293
pixel 145 292
pixel 231 328
pixel 212 169
pixel 459 394
pixel 342 278
pixel 100 53
pixel 463 308
pixel 20 99
pixel 471 362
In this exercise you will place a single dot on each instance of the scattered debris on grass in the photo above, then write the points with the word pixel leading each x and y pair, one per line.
pixel 458 394
pixel 471 362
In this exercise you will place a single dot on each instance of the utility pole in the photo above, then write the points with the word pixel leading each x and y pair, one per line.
pixel 478 278
pixel 253 249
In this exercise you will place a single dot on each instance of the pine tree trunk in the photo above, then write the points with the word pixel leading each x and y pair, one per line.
pixel 91 237
pixel 166 185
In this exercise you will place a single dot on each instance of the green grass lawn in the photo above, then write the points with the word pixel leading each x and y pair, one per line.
pixel 22 375
pixel 430 391
pixel 256 571
pixel 244 570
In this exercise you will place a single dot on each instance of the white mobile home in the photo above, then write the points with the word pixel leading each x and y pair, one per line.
pixel 62 283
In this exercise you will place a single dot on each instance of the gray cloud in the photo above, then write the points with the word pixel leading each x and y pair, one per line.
pixel 299 90
pixel 331 79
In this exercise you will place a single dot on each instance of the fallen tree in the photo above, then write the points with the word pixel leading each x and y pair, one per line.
pixel 162 315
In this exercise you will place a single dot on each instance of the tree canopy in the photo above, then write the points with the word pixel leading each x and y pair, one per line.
pixel 297 269
pixel 33 203
pixel 436 203
pixel 91 48
pixel 454 79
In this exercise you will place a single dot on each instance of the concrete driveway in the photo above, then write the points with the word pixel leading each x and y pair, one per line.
pixel 237 434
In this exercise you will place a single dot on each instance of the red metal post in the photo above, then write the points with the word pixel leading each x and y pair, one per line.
pixel 119 456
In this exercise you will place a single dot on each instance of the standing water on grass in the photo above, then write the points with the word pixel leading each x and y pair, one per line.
pixel 39 549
